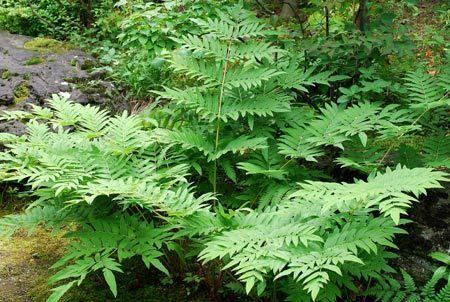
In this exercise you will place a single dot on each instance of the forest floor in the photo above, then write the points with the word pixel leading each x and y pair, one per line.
pixel 24 265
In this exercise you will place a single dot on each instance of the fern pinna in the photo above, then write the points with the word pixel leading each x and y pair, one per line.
pixel 234 163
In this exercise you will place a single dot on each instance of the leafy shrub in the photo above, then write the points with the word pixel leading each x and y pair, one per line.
pixel 40 17
pixel 102 170
pixel 144 33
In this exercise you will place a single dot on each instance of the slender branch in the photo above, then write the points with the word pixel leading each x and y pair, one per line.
pixel 265 9
pixel 400 136
pixel 40 18
pixel 286 163
pixel 327 21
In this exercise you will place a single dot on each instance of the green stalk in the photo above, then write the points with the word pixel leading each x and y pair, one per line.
pixel 219 111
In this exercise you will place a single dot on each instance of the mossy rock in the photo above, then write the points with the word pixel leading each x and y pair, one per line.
pixel 21 93
pixel 34 61
pixel 26 77
pixel 6 75
pixel 47 45
pixel 88 64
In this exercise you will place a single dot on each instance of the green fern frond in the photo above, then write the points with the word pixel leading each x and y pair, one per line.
pixel 444 293
pixel 233 27
pixel 383 191
pixel 248 78
pixel 9 115
pixel 66 112
pixel 124 134
pixel 241 145
pixel 190 139
pixel 424 91
pixel 268 163
pixel 410 285
pixel 8 138
pixel 358 157
pixel 201 70
pixel 92 120
pixel 436 149
pixel 295 144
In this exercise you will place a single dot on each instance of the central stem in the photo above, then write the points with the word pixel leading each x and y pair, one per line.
pixel 219 111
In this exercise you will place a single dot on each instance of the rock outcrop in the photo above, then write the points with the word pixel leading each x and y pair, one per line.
pixel 31 70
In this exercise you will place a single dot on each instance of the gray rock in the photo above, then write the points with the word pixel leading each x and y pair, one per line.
pixel 58 72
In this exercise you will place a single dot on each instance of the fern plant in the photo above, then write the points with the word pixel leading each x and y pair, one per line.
pixel 234 81
pixel 234 160
pixel 274 231
pixel 322 233
pixel 390 289
pixel 106 175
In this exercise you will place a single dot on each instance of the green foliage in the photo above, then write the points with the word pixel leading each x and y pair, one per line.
pixel 95 175
pixel 240 170
pixel 232 84
pixel 435 289
pixel 141 34
pixel 336 125
pixel 425 91
pixel 312 236
pixel 34 17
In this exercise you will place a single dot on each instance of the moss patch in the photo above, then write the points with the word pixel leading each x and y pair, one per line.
pixel 21 93
pixel 47 45
pixel 25 262
pixel 6 75
pixel 34 61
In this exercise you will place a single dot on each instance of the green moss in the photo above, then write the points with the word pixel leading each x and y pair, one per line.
pixel 21 93
pixel 88 64
pixel 25 263
pixel 6 75
pixel 34 61
pixel 47 45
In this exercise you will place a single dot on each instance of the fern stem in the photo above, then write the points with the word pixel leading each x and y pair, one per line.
pixel 287 163
pixel 401 135
pixel 219 112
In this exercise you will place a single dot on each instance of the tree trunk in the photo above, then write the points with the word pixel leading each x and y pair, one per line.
pixel 361 16
pixel 288 9
pixel 86 15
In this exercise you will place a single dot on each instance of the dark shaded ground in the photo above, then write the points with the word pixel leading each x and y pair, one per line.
pixel 429 232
